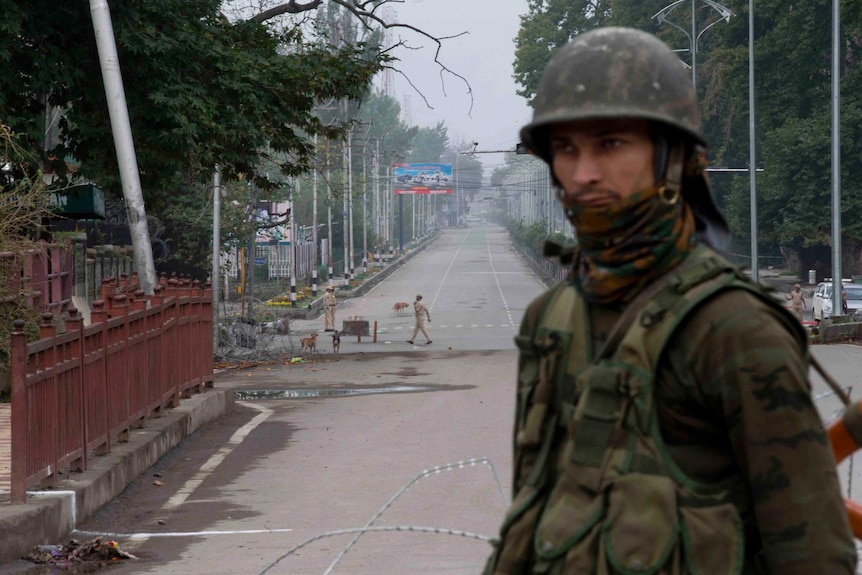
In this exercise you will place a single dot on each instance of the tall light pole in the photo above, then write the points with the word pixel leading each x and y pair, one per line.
pixel 216 261
pixel 752 156
pixel 124 145
pixel 314 220
pixel 837 300
pixel 663 17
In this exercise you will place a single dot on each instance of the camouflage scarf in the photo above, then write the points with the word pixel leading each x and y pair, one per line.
pixel 624 246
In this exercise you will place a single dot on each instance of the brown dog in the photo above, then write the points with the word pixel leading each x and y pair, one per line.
pixel 309 343
pixel 336 341
pixel 400 306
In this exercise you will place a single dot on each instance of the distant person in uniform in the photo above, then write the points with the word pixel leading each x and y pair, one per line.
pixel 797 300
pixel 329 309
pixel 421 314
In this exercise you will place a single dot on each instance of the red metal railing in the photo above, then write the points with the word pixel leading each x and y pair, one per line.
pixel 43 278
pixel 74 394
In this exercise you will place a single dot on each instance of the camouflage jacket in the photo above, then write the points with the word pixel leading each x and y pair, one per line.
pixel 733 398
pixel 733 404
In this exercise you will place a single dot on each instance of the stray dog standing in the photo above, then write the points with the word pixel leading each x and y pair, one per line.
pixel 336 341
pixel 400 306
pixel 309 343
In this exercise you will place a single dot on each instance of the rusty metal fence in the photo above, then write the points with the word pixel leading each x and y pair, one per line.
pixel 76 393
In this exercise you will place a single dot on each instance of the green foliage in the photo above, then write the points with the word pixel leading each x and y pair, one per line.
pixel 793 115
pixel 382 114
pixel 548 25
pixel 428 144
pixel 200 91
pixel 25 205
pixel 533 236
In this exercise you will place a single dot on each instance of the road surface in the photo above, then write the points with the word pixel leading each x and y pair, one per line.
pixel 407 437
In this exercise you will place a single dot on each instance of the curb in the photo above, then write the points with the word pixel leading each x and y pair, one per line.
pixel 49 516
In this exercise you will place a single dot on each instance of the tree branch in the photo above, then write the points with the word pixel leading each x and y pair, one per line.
pixel 290 7
pixel 360 9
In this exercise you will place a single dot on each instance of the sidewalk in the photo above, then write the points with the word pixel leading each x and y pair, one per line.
pixel 48 516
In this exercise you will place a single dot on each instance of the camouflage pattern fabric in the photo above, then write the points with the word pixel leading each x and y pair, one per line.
pixel 734 399
pixel 733 404
pixel 626 245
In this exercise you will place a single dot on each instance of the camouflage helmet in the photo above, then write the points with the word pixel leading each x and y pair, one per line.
pixel 613 73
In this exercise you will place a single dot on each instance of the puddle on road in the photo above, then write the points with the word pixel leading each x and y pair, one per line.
pixel 252 394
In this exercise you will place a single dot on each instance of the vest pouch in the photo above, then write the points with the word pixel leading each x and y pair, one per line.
pixel 514 552
pixel 641 528
pixel 571 512
pixel 713 540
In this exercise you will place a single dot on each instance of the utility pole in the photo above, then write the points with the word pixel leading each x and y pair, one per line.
pixel 752 156
pixel 352 250
pixel 123 143
pixel 377 228
pixel 837 272
pixel 328 216
pixel 314 263
pixel 345 178
pixel 248 294
pixel 294 244
pixel 216 261
pixel 457 179
pixel 364 210
pixel 390 214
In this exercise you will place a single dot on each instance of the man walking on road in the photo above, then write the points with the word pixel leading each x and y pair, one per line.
pixel 329 309
pixel 421 314
pixel 664 420
pixel 797 300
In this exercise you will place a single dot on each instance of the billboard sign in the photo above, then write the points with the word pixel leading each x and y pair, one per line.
pixel 422 179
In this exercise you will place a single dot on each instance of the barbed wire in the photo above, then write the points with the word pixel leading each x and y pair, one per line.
pixel 370 528
pixel 361 530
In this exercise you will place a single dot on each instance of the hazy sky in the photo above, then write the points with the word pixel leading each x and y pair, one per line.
pixel 484 57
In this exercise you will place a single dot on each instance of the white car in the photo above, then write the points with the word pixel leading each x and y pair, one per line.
pixel 821 306
pixel 440 177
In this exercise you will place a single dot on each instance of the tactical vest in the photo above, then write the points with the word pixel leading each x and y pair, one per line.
pixel 596 492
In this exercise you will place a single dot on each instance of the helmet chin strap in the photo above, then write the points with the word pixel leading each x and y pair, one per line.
pixel 668 165
pixel 660 153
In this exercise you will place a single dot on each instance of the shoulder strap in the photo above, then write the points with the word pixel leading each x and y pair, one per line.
pixel 705 274
pixel 691 268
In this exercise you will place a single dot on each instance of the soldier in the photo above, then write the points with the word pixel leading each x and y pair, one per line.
pixel 329 309
pixel 797 300
pixel 421 313
pixel 664 420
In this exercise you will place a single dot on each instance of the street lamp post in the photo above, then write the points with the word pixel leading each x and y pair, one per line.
pixel 663 17
pixel 837 272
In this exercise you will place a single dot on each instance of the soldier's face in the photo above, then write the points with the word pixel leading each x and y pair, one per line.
pixel 599 162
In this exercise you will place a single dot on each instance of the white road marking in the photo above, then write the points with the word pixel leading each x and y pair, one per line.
pixel 145 536
pixel 204 471
pixel 239 435
pixel 497 279
pixel 451 262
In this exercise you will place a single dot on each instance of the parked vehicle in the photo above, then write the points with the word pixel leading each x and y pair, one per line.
pixel 821 305
pixel 421 178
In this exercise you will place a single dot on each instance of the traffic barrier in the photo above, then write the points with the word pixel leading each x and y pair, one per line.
pixel 845 435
